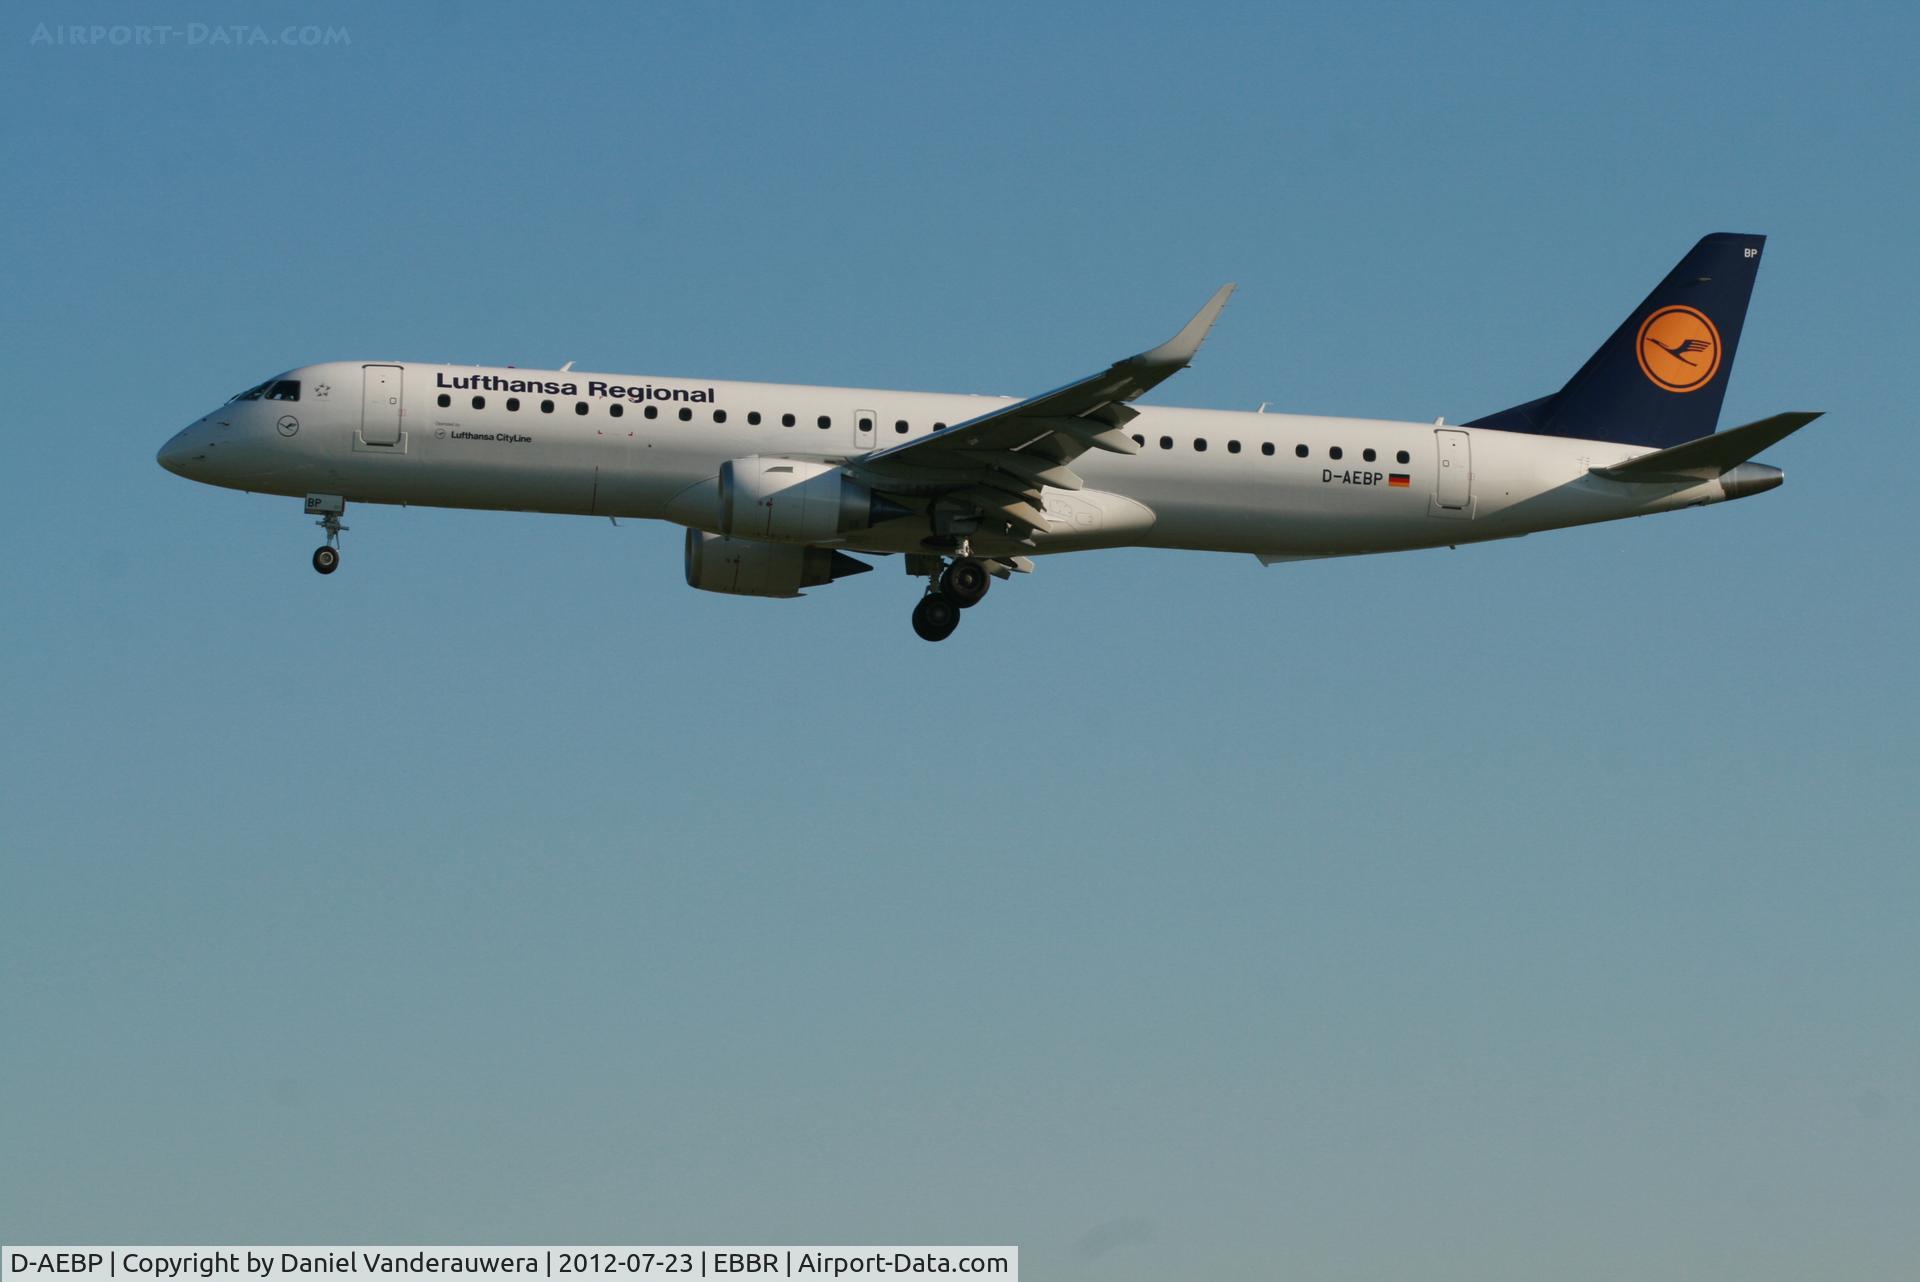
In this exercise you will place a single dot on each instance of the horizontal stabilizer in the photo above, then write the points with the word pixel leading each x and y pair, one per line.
pixel 1709 456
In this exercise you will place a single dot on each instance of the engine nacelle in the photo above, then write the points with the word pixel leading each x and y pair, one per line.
pixel 743 567
pixel 788 501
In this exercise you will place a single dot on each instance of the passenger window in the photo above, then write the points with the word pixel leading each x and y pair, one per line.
pixel 579 407
pixel 1233 447
pixel 1368 455
pixel 616 409
pixel 445 400
pixel 939 427
pixel 546 407
pixel 1166 442
pixel 786 420
pixel 686 415
pixel 1404 457
pixel 866 425
pixel 652 411
pixel 479 402
pixel 824 421
pixel 1139 440
pixel 753 418
pixel 900 426
pixel 1299 451
pixel 513 404
pixel 1200 444
pixel 1266 448
pixel 719 416
pixel 1334 453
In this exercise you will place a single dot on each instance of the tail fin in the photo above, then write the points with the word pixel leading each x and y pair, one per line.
pixel 1660 379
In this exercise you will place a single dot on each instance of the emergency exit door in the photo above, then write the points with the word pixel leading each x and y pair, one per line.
pixel 380 405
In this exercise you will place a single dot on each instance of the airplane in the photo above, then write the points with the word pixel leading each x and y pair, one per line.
pixel 782 488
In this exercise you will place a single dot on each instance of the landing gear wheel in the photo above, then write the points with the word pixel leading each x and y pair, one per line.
pixel 935 618
pixel 965 582
pixel 327 559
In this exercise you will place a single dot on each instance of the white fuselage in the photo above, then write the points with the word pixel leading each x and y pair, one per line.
pixel 633 446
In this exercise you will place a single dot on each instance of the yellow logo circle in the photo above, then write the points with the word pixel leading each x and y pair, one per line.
pixel 1679 349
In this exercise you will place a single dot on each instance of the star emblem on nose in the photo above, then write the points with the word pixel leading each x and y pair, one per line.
pixel 321 389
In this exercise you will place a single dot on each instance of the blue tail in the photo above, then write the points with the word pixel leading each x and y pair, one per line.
pixel 1660 379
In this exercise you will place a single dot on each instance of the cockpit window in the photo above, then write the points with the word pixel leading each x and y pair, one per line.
pixel 274 389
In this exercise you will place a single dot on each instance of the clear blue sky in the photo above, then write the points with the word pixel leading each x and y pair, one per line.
pixel 1545 909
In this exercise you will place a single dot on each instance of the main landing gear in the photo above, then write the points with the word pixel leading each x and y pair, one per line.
pixel 959 586
pixel 935 617
pixel 326 558
pixel 965 582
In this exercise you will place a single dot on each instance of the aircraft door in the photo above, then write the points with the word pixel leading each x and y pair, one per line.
pixel 380 404
pixel 864 423
pixel 1453 481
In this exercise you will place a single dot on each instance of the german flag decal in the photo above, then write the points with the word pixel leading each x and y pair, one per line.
pixel 1398 480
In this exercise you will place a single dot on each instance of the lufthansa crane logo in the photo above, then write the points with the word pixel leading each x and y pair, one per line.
pixel 1679 349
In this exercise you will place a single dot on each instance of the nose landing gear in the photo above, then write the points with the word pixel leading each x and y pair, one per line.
pixel 326 559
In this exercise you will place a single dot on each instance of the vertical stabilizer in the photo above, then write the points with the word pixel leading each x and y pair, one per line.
pixel 1660 379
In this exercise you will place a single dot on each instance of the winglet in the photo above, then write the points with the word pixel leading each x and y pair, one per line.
pixel 1178 350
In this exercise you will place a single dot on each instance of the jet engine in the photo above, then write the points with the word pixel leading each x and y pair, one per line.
pixel 743 567
pixel 790 501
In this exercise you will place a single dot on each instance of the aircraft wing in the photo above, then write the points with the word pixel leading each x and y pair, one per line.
pixel 996 464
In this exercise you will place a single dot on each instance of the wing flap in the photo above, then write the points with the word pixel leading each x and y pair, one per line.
pixel 1032 469
pixel 1091 434
pixel 1014 509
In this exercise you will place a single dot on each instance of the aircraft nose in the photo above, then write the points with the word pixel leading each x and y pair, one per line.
pixel 178 452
